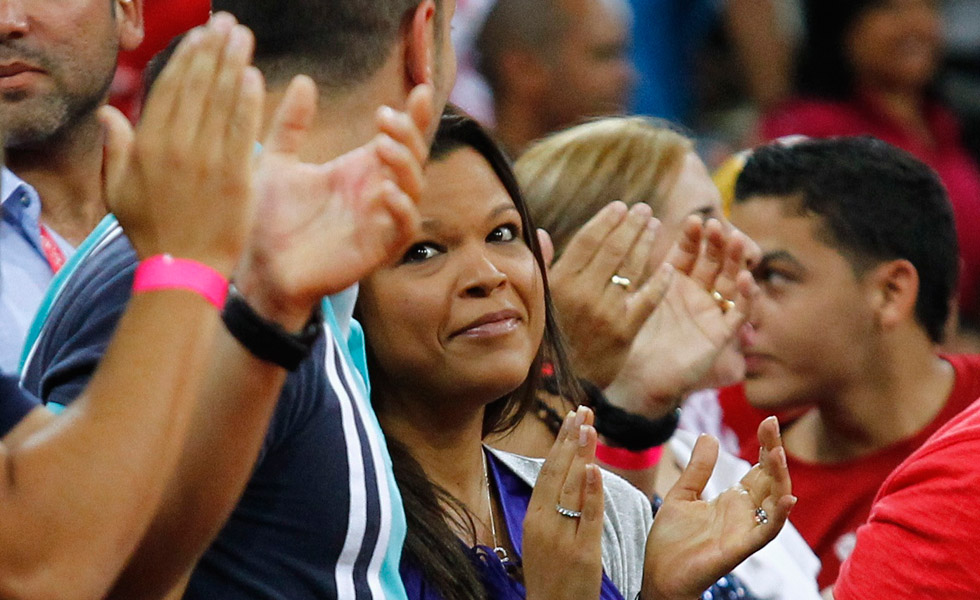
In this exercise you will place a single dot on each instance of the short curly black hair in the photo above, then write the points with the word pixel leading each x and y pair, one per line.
pixel 876 203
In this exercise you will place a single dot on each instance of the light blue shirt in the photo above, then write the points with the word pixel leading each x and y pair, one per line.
pixel 24 271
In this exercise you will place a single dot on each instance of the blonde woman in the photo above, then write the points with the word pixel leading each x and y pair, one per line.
pixel 649 344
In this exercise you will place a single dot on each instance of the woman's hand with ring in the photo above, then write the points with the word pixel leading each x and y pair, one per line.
pixel 562 553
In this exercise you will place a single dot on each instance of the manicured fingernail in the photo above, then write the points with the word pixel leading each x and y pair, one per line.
pixel 580 416
pixel 566 425
pixel 617 207
pixel 640 210
pixel 386 112
pixel 591 475
pixel 238 39
pixel 583 435
pixel 223 21
pixel 194 37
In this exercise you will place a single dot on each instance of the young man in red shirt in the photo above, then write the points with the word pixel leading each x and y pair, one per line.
pixel 921 538
pixel 858 275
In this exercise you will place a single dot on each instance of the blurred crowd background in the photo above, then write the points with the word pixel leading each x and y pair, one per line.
pixel 731 73
pixel 724 69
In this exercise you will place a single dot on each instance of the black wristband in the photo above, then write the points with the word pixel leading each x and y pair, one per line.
pixel 266 340
pixel 624 429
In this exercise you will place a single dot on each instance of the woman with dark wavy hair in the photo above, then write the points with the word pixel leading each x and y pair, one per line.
pixel 457 332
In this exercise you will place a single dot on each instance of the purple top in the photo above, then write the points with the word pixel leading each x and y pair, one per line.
pixel 515 495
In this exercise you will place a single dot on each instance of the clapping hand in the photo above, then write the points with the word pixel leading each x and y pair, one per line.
pixel 598 314
pixel 322 227
pixel 562 554
pixel 181 183
pixel 694 542
pixel 686 343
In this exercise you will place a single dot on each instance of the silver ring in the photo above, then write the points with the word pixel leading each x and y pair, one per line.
pixel 622 282
pixel 567 512
pixel 761 516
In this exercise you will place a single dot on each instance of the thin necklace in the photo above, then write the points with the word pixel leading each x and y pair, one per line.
pixel 499 550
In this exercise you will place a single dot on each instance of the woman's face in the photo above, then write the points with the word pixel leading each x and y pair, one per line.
pixel 896 43
pixel 462 313
pixel 694 193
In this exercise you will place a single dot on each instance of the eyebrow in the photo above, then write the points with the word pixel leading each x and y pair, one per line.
pixel 436 224
pixel 502 208
pixel 780 255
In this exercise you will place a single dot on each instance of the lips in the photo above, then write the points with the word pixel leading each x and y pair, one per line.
pixel 754 362
pixel 490 324
pixel 16 68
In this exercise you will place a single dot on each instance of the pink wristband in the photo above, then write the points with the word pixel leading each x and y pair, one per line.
pixel 164 272
pixel 627 459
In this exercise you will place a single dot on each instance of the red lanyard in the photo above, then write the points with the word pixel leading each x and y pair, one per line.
pixel 53 253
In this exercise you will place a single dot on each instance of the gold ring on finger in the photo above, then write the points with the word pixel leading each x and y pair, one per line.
pixel 723 303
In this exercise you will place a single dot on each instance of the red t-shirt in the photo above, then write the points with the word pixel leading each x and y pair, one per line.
pixel 945 154
pixel 835 499
pixel 922 539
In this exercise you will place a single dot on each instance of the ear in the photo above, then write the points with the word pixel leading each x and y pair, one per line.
pixel 420 53
pixel 894 289
pixel 547 247
pixel 129 23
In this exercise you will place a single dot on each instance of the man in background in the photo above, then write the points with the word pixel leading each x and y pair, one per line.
pixel 552 63
pixel 857 277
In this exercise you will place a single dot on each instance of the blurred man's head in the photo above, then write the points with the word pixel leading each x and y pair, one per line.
pixel 559 60
pixel 343 44
pixel 57 60
pixel 859 250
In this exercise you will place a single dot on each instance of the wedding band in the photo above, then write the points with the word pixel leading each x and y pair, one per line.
pixel 723 303
pixel 623 282
pixel 567 512
pixel 761 516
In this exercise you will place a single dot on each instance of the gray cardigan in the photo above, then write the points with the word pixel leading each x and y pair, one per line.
pixel 628 517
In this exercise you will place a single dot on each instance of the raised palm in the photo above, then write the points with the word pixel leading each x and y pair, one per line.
pixel 322 227
pixel 694 542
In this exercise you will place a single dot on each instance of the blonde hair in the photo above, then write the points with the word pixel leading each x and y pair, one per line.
pixel 569 176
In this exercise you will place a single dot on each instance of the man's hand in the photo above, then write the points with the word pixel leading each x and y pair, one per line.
pixel 322 227
pixel 181 183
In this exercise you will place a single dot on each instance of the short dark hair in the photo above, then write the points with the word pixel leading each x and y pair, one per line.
pixel 876 203
pixel 339 43
pixel 534 25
